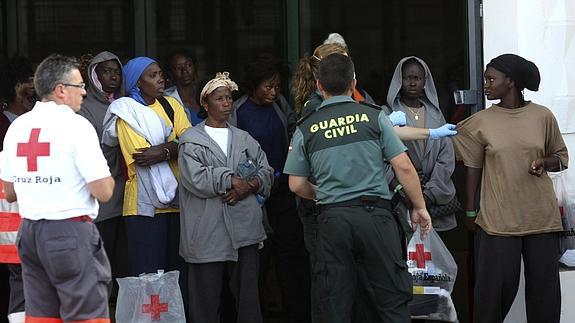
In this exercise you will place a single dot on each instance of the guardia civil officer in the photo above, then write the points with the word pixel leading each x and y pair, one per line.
pixel 345 146
pixel 53 165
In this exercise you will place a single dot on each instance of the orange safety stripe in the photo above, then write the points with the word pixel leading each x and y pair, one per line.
pixel 356 95
pixel 32 319
pixel 9 254
pixel 9 221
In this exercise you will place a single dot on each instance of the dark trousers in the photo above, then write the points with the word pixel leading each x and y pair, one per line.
pixel 498 266
pixel 114 236
pixel 285 245
pixel 65 270
pixel 362 309
pixel 307 212
pixel 16 303
pixel 154 243
pixel 206 281
pixel 362 246
pixel 4 292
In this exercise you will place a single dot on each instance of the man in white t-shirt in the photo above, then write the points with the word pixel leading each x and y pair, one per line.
pixel 54 167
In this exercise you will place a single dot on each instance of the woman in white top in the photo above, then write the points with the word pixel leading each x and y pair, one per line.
pixel 223 173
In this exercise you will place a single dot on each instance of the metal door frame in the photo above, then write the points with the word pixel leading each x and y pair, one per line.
pixel 475 52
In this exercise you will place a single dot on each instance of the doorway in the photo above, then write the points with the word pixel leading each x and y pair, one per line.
pixel 225 34
pixel 379 34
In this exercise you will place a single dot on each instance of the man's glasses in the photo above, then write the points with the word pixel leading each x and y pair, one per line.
pixel 79 85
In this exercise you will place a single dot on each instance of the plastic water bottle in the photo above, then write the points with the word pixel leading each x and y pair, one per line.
pixel 261 199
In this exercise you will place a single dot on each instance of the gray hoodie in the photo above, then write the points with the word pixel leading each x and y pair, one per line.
pixel 94 109
pixel 436 157
pixel 211 230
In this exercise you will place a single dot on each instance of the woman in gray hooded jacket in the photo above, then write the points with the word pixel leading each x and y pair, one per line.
pixel 223 173
pixel 412 91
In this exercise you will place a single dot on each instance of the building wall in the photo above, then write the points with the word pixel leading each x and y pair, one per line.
pixel 542 31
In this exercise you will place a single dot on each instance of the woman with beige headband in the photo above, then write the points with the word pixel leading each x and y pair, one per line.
pixel 223 173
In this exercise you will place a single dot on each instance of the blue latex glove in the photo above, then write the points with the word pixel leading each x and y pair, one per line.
pixel 446 130
pixel 397 118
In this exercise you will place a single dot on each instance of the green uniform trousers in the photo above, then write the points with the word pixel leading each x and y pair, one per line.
pixel 361 245
pixel 362 312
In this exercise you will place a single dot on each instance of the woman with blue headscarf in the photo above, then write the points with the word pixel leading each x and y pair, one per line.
pixel 147 131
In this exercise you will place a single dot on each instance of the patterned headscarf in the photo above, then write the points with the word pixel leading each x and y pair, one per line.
pixel 221 79
pixel 132 72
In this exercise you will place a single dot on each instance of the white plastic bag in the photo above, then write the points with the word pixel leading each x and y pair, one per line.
pixel 568 258
pixel 566 202
pixel 434 271
pixel 150 298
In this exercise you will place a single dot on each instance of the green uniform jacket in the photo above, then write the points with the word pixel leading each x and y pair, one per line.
pixel 344 145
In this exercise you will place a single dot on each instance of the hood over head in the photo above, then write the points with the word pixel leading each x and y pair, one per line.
pixel 394 91
pixel 94 85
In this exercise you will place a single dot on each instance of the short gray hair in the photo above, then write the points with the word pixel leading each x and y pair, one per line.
pixel 53 70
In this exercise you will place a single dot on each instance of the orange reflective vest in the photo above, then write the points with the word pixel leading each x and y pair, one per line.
pixel 356 95
pixel 9 224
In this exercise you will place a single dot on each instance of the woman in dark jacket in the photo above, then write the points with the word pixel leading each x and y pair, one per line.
pixel 265 114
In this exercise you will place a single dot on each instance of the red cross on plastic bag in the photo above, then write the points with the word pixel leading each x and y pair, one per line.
pixel 420 255
pixel 155 308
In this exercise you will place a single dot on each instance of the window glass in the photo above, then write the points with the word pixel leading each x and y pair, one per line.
pixel 75 28
pixel 221 34
pixel 2 33
pixel 380 33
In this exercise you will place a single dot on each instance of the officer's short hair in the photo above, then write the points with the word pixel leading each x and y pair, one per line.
pixel 336 71
pixel 53 70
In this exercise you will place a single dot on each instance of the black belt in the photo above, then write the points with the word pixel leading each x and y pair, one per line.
pixel 364 201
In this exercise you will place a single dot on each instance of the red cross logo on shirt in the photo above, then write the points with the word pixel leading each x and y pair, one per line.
pixel 420 255
pixel 33 149
pixel 155 307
